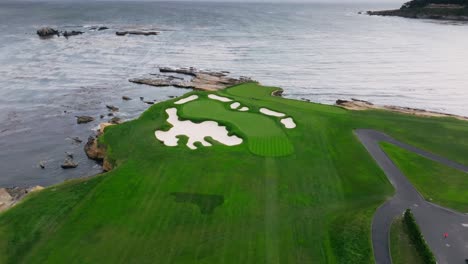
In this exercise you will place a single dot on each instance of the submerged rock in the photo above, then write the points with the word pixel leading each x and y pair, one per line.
pixel 126 98
pixel 47 32
pixel 112 108
pixel 71 33
pixel 84 119
pixel 42 164
pixel 77 140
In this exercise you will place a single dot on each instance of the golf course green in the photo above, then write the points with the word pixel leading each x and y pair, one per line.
pixel 284 195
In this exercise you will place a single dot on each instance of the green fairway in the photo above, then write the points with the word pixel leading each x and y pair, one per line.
pixel 436 182
pixel 401 247
pixel 301 195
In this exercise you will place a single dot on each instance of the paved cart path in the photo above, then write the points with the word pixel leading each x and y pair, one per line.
pixel 433 220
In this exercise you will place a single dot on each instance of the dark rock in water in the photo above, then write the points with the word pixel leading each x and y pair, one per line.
pixel 98 28
pixel 112 108
pixel 69 154
pixel 84 119
pixel 101 116
pixel 110 114
pixel 149 102
pixel 69 164
pixel 142 98
pixel 137 32
pixel 341 102
pixel 47 32
pixel 71 33
pixel 172 96
pixel 116 120
pixel 126 98
pixel 77 139
pixel 42 164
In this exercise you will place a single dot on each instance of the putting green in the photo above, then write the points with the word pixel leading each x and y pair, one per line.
pixel 265 135
pixel 302 195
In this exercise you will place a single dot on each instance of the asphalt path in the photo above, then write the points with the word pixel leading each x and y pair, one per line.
pixel 433 220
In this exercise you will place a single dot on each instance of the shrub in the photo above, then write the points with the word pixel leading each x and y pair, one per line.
pixel 417 238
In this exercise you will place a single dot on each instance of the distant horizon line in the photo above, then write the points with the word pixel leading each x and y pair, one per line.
pixel 346 2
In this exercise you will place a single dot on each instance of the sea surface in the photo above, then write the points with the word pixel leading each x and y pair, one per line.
pixel 319 52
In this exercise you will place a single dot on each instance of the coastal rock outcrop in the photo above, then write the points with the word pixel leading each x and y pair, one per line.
pixel 84 119
pixel 47 32
pixel 200 80
pixel 429 9
pixel 69 163
pixel 96 151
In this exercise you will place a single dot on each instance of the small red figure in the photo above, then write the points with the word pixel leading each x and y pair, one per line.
pixel 445 235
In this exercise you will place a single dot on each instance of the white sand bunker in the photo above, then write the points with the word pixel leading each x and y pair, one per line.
pixel 269 112
pixel 219 98
pixel 187 99
pixel 195 132
pixel 235 105
pixel 288 123
pixel 244 109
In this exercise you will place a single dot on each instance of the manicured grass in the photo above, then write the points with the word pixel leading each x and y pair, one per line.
pixel 402 248
pixel 263 134
pixel 241 204
pixel 436 182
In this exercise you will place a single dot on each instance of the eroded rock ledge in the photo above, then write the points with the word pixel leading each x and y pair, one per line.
pixel 11 196
pixel 96 151
pixel 356 104
pixel 200 80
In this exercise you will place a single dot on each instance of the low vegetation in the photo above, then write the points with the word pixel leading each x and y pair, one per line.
pixel 302 195
pixel 436 182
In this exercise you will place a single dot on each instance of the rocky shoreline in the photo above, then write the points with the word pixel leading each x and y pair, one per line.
pixel 418 14
pixel 11 196
pixel 199 79
pixel 359 105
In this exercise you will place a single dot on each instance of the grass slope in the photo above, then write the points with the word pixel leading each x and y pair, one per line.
pixel 225 204
pixel 436 182
pixel 402 248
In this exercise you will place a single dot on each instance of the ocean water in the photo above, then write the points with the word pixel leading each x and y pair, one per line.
pixel 320 52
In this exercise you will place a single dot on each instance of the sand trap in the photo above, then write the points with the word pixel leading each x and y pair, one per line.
pixel 288 123
pixel 195 132
pixel 219 98
pixel 187 99
pixel 244 109
pixel 269 112
pixel 235 105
